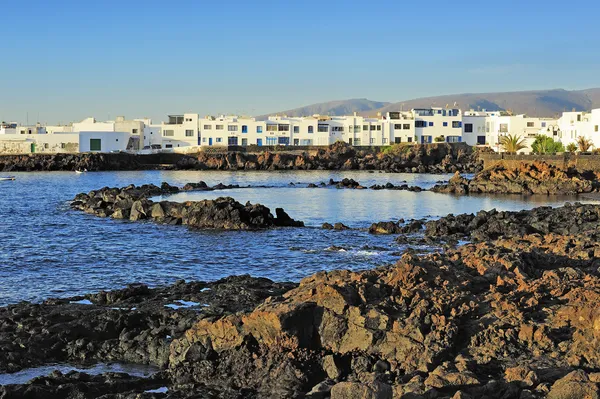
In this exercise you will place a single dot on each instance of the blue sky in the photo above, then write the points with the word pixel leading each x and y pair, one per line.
pixel 65 60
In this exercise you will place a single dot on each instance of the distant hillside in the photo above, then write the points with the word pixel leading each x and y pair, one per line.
pixel 342 107
pixel 543 103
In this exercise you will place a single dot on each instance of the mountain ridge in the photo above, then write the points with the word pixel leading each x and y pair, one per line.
pixel 539 103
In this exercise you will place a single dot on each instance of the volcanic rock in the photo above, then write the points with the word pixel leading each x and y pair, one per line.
pixel 528 178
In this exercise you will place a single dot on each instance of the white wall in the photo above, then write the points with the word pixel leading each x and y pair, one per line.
pixel 91 125
pixel 110 141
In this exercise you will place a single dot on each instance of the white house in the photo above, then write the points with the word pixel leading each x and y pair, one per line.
pixel 103 141
pixel 431 123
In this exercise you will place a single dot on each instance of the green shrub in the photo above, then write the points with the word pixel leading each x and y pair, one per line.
pixel 546 145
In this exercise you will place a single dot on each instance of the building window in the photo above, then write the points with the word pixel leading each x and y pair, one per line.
pixel 397 140
pixel 468 128
pixel 283 128
pixel 204 139
pixel 420 124
pixel 63 145
pixel 409 139
pixel 323 128
pixel 372 141
pixel 95 144
pixel 372 127
pixel 366 128
pixel 530 124
pixel 384 141
pixel 481 140
pixel 207 127
pixel 134 131
pixel 445 124
pixel 168 133
pixel 578 120
pixel 357 141
pixel 504 128
pixel 311 129
pixel 271 140
pixel 596 128
pixel 378 127
pixel 232 128
pixel 169 146
pixel 337 128
pixel 406 126
pixel 271 128
pixel 258 129
pixel 456 124
pixel 232 141
pixel 397 126
pixel 219 127
pixel 189 133
pixel 453 139
pixel 244 129
pixel 296 129
pixel 219 140
pixel 430 123
pixel 543 124
pixel 284 140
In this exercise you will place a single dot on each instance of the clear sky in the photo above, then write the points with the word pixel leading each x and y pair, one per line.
pixel 66 60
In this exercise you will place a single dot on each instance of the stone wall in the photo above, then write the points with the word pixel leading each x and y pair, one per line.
pixel 581 162
pixel 14 147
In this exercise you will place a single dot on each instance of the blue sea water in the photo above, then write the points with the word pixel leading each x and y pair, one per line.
pixel 49 250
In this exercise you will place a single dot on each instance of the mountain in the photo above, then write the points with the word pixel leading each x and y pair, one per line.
pixel 342 107
pixel 542 103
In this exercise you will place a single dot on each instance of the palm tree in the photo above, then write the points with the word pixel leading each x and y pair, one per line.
pixel 584 144
pixel 512 143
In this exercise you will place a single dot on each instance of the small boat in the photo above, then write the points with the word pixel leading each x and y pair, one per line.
pixel 6 178
pixel 81 171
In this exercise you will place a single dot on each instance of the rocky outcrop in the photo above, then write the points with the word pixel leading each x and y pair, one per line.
pixel 431 158
pixel 528 178
pixel 515 315
pixel 495 319
pixel 135 324
pixel 133 203
pixel 75 384
pixel 399 227
pixel 89 161
pixel 490 225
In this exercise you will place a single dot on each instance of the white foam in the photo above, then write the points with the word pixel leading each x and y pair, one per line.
pixel 181 304
pixel 158 390
pixel 83 302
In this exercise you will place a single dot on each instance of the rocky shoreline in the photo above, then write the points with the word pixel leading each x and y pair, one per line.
pixel 133 203
pixel 512 314
pixel 527 178
pixel 431 158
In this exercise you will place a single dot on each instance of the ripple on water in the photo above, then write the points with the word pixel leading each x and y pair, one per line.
pixel 23 376
pixel 47 249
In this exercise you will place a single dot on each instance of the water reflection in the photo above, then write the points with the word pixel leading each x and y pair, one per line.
pixel 46 249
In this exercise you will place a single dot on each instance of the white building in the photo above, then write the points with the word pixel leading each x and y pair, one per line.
pixel 180 131
pixel 8 128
